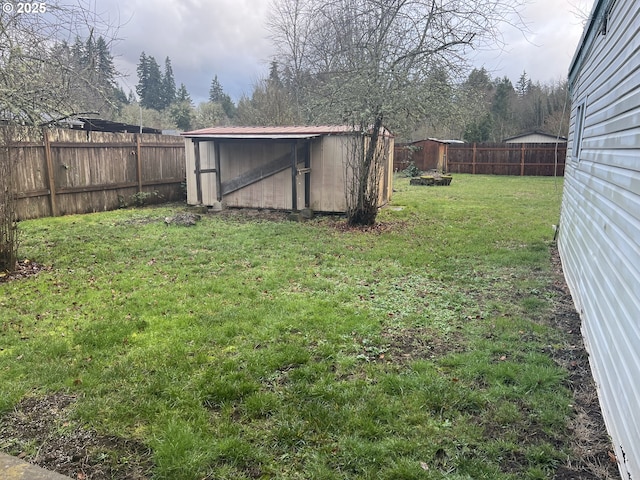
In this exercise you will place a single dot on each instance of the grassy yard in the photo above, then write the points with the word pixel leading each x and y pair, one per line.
pixel 253 347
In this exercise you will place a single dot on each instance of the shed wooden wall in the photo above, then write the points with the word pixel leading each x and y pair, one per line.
pixel 328 174
pixel 238 157
pixel 599 238
pixel 327 178
pixel 425 154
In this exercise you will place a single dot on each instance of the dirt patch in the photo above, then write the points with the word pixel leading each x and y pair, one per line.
pixel 410 344
pixel 341 225
pixel 40 430
pixel 252 214
pixel 593 455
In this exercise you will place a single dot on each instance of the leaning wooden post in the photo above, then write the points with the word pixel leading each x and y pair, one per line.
pixel 50 175
pixel 139 161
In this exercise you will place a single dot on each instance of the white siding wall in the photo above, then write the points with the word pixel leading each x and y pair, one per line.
pixel 600 226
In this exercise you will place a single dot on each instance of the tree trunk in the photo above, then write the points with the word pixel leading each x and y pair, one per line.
pixel 365 207
pixel 8 221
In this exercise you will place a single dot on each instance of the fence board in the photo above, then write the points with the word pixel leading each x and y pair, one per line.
pixel 531 159
pixel 523 159
pixel 96 171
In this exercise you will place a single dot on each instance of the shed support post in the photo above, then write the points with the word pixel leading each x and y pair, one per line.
pixel 196 147
pixel 294 186
pixel 216 150
pixel 307 174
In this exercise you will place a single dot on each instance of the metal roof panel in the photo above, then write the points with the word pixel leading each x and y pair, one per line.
pixel 277 132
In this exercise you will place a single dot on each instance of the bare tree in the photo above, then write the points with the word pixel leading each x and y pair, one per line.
pixel 38 81
pixel 368 62
pixel 8 227
pixel 38 85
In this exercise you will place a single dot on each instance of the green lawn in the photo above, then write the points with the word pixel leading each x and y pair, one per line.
pixel 246 347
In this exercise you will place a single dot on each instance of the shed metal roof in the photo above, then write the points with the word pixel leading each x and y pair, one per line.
pixel 277 132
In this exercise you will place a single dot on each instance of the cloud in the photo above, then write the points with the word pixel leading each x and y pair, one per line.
pixel 544 51
pixel 228 38
pixel 202 38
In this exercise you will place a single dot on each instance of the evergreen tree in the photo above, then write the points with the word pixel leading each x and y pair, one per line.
pixel 501 109
pixel 217 95
pixel 479 130
pixel 91 61
pixel 143 76
pixel 274 75
pixel 105 69
pixel 77 52
pixel 149 86
pixel 89 54
pixel 522 87
pixel 168 85
pixel 182 95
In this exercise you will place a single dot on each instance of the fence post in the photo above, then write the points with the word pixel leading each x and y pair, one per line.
pixel 51 180
pixel 522 161
pixel 473 160
pixel 139 161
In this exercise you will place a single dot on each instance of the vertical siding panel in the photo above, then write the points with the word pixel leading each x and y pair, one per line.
pixel 599 239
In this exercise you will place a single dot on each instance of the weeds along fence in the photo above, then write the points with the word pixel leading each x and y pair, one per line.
pixel 542 159
pixel 60 171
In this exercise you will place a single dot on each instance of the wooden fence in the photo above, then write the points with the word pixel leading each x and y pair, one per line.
pixel 483 158
pixel 523 159
pixel 59 171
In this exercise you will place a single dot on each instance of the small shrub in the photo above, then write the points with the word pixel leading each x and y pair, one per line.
pixel 412 170
pixel 141 199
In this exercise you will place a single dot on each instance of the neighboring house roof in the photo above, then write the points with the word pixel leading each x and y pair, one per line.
pixel 100 125
pixel 537 133
pixel 278 132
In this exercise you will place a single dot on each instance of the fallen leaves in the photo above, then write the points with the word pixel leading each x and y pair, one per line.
pixel 24 268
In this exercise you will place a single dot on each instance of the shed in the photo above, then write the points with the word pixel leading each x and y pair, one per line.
pixel 599 238
pixel 280 168
pixel 429 154
pixel 535 136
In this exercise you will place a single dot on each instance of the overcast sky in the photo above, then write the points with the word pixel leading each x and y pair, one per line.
pixel 228 38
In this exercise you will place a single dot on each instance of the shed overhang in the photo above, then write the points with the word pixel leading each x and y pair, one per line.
pixel 252 136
